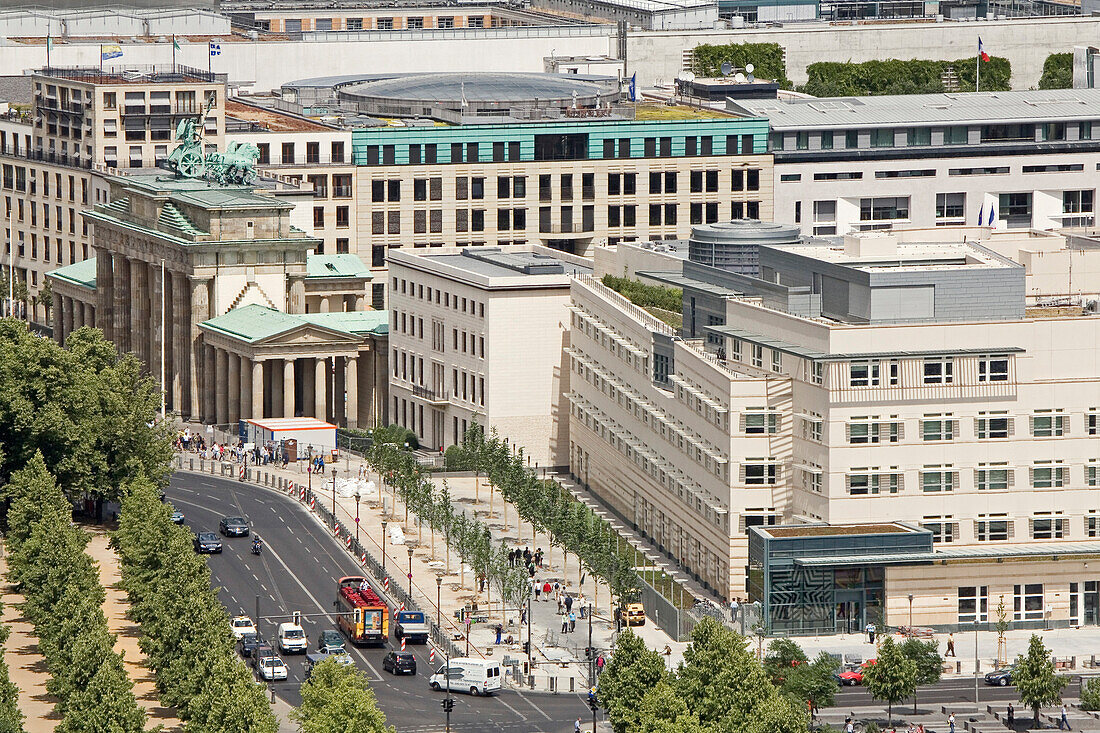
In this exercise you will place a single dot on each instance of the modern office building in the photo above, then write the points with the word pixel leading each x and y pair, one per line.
pixel 944 378
pixel 85 122
pixel 1028 159
pixel 565 176
pixel 476 334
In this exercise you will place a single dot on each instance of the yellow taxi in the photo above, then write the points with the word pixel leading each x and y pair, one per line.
pixel 635 615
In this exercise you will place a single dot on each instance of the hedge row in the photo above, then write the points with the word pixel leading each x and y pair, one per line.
pixel 646 296
pixel 895 76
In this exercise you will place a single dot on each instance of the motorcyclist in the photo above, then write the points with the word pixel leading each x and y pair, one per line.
pixel 257 545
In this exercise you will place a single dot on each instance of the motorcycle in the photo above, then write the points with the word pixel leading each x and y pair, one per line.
pixel 256 547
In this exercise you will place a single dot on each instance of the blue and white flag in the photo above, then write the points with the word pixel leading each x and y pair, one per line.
pixel 633 87
pixel 215 49
pixel 109 51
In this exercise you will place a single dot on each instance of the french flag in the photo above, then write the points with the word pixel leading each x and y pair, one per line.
pixel 981 50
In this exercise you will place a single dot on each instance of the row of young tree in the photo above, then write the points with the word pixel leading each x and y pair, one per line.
pixel 550 509
pixel 48 564
pixel 184 628
pixel 471 539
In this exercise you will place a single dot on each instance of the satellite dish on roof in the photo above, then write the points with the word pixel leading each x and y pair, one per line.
pixel 750 68
pixel 739 78
pixel 726 68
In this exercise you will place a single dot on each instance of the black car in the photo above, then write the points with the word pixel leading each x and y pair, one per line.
pixel 248 643
pixel 399 663
pixel 207 543
pixel 330 639
pixel 260 651
pixel 1001 677
pixel 233 526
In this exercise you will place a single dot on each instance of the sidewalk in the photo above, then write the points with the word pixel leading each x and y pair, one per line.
pixel 26 665
pixel 557 656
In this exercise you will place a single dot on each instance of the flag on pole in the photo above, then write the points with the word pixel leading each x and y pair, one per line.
pixel 981 213
pixel 109 51
pixel 633 87
pixel 992 217
pixel 175 44
pixel 981 50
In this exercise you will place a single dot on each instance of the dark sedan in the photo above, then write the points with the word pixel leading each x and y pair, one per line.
pixel 399 663
pixel 248 643
pixel 233 526
pixel 207 543
pixel 1001 677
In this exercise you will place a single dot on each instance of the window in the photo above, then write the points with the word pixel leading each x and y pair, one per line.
pixel 936 480
pixel 757 355
pixel 343 219
pixel 1091 422
pixel 318 217
pixel 942 531
pixel 824 218
pixel 993 477
pixel 887 208
pixel 1048 475
pixel 760 423
pixel 869 482
pixel 760 473
pixel 992 425
pixel 1080 205
pixel 992 528
pixel 939 371
pixel 950 206
pixel 993 368
pixel 1048 424
pixel 288 153
pixel 918 136
pixel 973 604
pixel 1045 526
pixel 882 138
pixel 1027 602
pixel 956 135
pixel 1015 210
pixel 938 427
pixel 864 430
pixel 817 372
pixel 864 374
pixel 777 361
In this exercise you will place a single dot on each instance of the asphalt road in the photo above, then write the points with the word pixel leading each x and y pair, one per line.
pixel 954 690
pixel 297 571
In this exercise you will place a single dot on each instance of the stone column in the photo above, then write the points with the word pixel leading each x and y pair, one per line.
pixel 155 342
pixel 244 368
pixel 200 311
pixel 235 390
pixel 338 388
pixel 139 311
pixel 89 315
pixel 104 292
pixel 381 382
pixel 221 386
pixel 179 328
pixel 78 315
pixel 66 315
pixel 320 387
pixel 323 308
pixel 121 302
pixel 207 372
pixel 58 320
pixel 257 390
pixel 288 388
pixel 361 302
pixel 352 382
pixel 296 301
pixel 274 388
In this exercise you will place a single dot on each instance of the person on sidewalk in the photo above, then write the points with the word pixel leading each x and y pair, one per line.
pixel 499 630
pixel 577 726
pixel 538 589
pixel 561 605
pixel 546 589
pixel 1064 722
pixel 573 627
pixel 568 603
pixel 600 663
pixel 733 610
pixel 950 646
pixel 1011 716
pixel 565 624
pixel 951 722
pixel 870 629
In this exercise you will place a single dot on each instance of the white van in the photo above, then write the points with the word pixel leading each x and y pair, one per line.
pixel 476 676
pixel 292 639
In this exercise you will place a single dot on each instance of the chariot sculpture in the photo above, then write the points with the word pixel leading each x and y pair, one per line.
pixel 189 159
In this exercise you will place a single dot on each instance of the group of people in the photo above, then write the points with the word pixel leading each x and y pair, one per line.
pixel 526 559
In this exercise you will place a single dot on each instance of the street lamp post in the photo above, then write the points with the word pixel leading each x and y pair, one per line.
pixel 334 498
pixel 910 612
pixel 410 548
pixel 438 614
pixel 384 523
pixel 530 646
pixel 357 498
pixel 975 661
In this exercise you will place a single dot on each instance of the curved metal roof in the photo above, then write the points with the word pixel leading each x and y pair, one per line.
pixel 478 87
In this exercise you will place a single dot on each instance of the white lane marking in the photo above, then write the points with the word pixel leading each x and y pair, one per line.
pixel 518 713
pixel 536 707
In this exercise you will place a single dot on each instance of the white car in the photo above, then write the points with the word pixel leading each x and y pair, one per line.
pixel 292 639
pixel 242 625
pixel 272 668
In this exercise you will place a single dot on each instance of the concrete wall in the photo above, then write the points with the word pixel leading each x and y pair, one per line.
pixel 1026 43
pixel 264 66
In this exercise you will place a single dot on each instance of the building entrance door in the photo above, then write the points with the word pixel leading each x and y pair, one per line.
pixel 849 612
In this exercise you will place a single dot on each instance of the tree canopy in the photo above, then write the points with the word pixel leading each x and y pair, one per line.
pixel 338 699
pixel 895 76
pixel 767 59
pixel 1057 72
pixel 892 677
pixel 1035 679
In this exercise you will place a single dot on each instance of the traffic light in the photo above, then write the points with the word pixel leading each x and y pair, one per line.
pixel 526 647
pixel 448 704
pixel 588 652
pixel 593 704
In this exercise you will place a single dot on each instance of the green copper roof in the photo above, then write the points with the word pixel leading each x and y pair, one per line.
pixel 207 194
pixel 79 273
pixel 253 323
pixel 357 322
pixel 171 216
pixel 336 266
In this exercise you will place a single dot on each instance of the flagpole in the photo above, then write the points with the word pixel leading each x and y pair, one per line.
pixel 978 68
pixel 163 390
pixel 173 52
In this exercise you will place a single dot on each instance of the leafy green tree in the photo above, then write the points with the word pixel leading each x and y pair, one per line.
pixel 783 656
pixel 767 58
pixel 663 711
pixel 633 671
pixel 106 704
pixel 338 699
pixel 812 682
pixel 1057 72
pixel 1036 681
pixel 926 658
pixel 895 76
pixel 1090 694
pixel 893 676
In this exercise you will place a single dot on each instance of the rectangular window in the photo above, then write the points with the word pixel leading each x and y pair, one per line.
pixel 937 427
pixel 864 374
pixel 934 480
pixel 992 528
pixel 1048 424
pixel 882 138
pixel 992 425
pixel 1092 423
pixel 872 483
pixel 1027 602
pixel 941 531
pixel 761 423
pixel 993 368
pixel 951 206
pixel 757 474
pixel 993 477
pixel 918 136
pixel 973 604
pixel 757 355
pixel 1047 527
pixel 939 371
pixel 889 208
pixel 1048 475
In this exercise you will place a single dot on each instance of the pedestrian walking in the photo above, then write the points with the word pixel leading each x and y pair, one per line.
pixel 561 605
pixel 577 726
pixel 565 624
pixel 499 630
pixel 531 570
pixel 950 646
pixel 573 627
pixel 546 589
pixel 870 629
pixel 523 616
pixel 951 722
pixel 600 663
pixel 568 603
pixel 1011 716
pixel 733 610
pixel 1064 722
pixel 538 589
